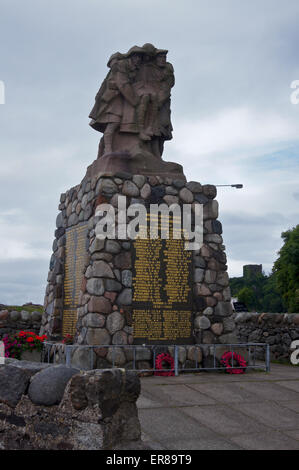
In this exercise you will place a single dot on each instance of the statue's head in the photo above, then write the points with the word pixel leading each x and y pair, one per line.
pixel 135 55
pixel 149 49
pixel 149 52
pixel 114 58
pixel 161 55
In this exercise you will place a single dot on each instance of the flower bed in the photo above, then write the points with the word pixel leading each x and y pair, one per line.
pixel 16 345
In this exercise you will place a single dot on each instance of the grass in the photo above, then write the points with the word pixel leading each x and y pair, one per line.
pixel 28 308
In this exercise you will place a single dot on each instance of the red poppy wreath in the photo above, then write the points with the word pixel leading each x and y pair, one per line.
pixel 238 361
pixel 164 361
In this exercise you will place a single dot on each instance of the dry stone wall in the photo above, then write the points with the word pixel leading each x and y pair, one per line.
pixel 278 330
pixel 12 321
pixel 46 407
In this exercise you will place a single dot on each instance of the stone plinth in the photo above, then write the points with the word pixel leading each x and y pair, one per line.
pixel 91 282
pixel 142 162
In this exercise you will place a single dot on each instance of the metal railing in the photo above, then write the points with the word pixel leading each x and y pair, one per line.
pixel 257 356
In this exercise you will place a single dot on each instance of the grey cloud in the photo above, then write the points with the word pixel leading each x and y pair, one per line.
pixel 53 60
pixel 23 281
pixel 255 238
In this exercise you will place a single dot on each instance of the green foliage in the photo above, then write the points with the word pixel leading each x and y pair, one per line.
pixel 278 292
pixel 286 269
pixel 28 308
pixel 258 293
pixel 247 297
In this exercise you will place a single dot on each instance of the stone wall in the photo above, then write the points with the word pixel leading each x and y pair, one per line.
pixel 104 312
pixel 61 408
pixel 12 321
pixel 276 329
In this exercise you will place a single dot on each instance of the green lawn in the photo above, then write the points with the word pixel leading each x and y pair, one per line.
pixel 28 308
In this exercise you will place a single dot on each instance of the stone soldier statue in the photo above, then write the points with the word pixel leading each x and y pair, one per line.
pixel 164 82
pixel 132 110
pixel 116 101
pixel 107 111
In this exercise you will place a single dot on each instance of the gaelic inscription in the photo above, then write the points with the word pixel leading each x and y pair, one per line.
pixel 162 294
pixel 74 263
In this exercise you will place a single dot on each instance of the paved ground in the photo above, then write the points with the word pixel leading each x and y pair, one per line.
pixel 257 410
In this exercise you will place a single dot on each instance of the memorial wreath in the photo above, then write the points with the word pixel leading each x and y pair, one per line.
pixel 163 361
pixel 228 358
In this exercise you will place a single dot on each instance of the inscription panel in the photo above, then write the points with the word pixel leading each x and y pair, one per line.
pixel 162 292
pixel 75 250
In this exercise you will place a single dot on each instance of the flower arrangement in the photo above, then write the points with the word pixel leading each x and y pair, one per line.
pixel 67 339
pixel 164 361
pixel 238 361
pixel 16 344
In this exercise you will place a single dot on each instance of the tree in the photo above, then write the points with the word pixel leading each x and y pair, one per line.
pixel 272 300
pixel 259 292
pixel 286 269
pixel 247 296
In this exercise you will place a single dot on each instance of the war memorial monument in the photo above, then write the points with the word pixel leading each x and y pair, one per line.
pixel 147 290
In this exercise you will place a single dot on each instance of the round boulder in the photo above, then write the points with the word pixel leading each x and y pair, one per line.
pixel 4 315
pixel 115 322
pixel 116 356
pixel 36 316
pixel 47 387
pixel 14 315
pixel 202 322
pixel 25 316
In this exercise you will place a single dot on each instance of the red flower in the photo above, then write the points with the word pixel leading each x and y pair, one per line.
pixel 238 360
pixel 30 339
pixel 161 359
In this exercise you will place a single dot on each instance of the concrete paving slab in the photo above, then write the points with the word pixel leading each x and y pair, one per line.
pixel 285 371
pixel 256 410
pixel 291 384
pixel 271 414
pixel 150 442
pixel 172 424
pixel 266 441
pixel 226 393
pixel 200 377
pixel 294 434
pixel 224 420
pixel 291 405
pixel 178 395
pixel 271 391
pixel 201 444
pixel 146 402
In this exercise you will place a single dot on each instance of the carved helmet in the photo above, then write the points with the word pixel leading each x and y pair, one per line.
pixel 161 51
pixel 149 49
pixel 134 50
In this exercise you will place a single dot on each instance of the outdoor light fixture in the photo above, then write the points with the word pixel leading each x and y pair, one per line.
pixel 238 186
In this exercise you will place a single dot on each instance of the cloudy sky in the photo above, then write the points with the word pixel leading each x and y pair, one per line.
pixel 231 111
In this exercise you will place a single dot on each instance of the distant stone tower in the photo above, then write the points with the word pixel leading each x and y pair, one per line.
pixel 251 271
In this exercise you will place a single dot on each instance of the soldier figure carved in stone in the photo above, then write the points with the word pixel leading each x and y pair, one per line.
pixel 132 110
pixel 135 99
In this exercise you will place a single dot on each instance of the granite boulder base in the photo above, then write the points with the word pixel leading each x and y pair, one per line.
pixel 92 283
